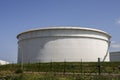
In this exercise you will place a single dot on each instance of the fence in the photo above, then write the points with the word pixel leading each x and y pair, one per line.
pixel 89 69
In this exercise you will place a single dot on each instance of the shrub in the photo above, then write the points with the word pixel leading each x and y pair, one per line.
pixel 19 71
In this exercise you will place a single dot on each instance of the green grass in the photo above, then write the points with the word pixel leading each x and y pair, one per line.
pixel 56 77
pixel 51 71
pixel 74 67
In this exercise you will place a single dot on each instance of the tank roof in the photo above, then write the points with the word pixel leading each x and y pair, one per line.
pixel 115 52
pixel 64 28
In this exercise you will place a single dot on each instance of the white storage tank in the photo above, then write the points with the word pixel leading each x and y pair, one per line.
pixel 57 44
pixel 3 62
pixel 115 56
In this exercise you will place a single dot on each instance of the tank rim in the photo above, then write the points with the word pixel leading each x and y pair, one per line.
pixel 65 28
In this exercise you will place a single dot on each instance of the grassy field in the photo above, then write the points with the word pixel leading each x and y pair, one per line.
pixel 51 76
pixel 61 71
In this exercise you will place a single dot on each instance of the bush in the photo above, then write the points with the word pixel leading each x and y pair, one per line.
pixel 19 71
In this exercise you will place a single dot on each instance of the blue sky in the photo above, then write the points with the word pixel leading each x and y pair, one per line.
pixel 19 15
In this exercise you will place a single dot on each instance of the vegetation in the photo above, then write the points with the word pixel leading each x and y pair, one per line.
pixel 52 77
pixel 61 71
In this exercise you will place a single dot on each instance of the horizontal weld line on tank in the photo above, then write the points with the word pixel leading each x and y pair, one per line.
pixel 64 37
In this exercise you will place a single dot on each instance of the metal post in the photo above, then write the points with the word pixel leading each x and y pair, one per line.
pixel 51 66
pixel 99 66
pixel 81 66
pixel 64 67
pixel 39 66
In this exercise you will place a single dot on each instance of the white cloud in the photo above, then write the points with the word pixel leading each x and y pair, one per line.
pixel 115 46
pixel 112 42
pixel 118 21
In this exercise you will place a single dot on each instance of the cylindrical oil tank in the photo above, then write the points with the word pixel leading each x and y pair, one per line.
pixel 58 44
